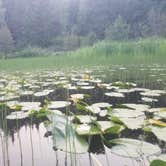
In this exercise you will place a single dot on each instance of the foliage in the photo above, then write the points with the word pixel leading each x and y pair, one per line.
pixel 70 24
pixel 118 31
pixel 6 40
pixel 40 115
pixel 145 51
pixel 157 163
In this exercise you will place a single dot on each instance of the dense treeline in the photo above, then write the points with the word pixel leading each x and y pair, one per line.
pixel 70 24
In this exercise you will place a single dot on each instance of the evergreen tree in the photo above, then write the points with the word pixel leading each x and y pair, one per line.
pixel 118 31
pixel 6 41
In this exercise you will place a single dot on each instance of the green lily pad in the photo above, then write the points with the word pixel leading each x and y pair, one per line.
pixel 150 93
pixel 64 136
pixel 100 127
pixel 109 127
pixel 161 113
pixel 87 87
pixel 115 94
pixel 77 96
pixel 158 163
pixel 103 113
pixel 82 83
pixel 87 129
pixel 126 113
pixel 41 94
pixel 133 123
pixel 102 105
pixel 140 107
pixel 156 110
pixel 158 157
pixel 93 109
pixel 133 148
pixel 149 100
pixel 17 115
pixel 58 104
pixel 159 132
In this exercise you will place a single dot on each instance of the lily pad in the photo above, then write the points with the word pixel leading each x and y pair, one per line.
pixel 140 107
pixel 153 110
pixel 87 87
pixel 115 94
pixel 150 93
pixel 93 109
pixel 102 105
pixel 101 127
pixel 149 100
pixel 28 106
pixel 64 136
pixel 82 83
pixel 133 123
pixel 161 114
pixel 85 118
pixel 133 148
pixel 87 129
pixel 158 157
pixel 17 115
pixel 159 132
pixel 77 96
pixel 158 162
pixel 126 113
pixel 103 113
pixel 56 112
pixel 41 94
pixel 58 104
pixel 109 127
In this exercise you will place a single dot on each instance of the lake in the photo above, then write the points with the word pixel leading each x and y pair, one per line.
pixel 114 115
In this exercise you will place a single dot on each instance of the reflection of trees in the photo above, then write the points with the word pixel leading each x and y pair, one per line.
pixel 10 127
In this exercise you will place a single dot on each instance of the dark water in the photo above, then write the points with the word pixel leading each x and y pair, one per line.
pixel 30 147
pixel 26 144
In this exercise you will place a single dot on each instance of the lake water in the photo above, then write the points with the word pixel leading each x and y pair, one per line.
pixel 27 141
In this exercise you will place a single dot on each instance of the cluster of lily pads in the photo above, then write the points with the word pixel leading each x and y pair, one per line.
pixel 77 106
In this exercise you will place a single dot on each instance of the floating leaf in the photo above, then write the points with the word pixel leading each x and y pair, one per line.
pixel 161 157
pixel 88 129
pixel 159 132
pixel 102 105
pixel 161 114
pixel 133 148
pixel 140 107
pixel 64 136
pixel 126 113
pixel 158 163
pixel 17 115
pixel 157 122
pixel 133 123
pixel 85 118
pixel 115 94
pixel 93 109
pixel 99 127
pixel 58 104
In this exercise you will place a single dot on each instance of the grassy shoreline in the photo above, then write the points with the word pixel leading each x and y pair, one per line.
pixel 146 51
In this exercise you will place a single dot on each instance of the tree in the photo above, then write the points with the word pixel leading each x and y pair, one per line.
pixel 32 22
pixel 6 41
pixel 118 31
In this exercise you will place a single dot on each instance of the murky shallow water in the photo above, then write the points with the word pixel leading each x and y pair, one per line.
pixel 23 143
pixel 41 152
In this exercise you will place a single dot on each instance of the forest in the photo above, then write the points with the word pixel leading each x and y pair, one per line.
pixel 83 82
pixel 70 24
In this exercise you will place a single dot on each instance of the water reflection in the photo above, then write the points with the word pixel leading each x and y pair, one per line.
pixel 25 143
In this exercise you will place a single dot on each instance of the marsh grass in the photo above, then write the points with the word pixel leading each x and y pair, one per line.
pixel 144 51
